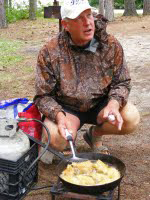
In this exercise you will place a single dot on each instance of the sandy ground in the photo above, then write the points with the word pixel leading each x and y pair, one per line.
pixel 133 150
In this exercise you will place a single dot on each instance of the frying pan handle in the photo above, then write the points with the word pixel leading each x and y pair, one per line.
pixel 45 146
pixel 58 154
pixel 68 135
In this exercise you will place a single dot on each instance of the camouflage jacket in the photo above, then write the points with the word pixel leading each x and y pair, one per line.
pixel 78 78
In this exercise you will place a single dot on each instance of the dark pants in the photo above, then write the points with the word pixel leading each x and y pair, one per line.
pixel 89 117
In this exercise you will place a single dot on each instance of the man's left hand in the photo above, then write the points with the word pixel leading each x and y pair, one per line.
pixel 112 109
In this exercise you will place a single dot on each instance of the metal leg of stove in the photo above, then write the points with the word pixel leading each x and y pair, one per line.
pixel 118 198
pixel 53 196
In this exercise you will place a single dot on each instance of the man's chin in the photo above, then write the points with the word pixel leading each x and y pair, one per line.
pixel 87 39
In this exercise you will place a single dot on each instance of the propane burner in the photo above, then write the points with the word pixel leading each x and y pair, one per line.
pixel 59 189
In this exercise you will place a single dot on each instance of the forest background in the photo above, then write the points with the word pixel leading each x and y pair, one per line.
pixel 12 10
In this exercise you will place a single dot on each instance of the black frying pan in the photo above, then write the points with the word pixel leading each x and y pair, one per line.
pixel 96 189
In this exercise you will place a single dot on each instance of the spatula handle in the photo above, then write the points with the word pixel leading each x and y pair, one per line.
pixel 68 135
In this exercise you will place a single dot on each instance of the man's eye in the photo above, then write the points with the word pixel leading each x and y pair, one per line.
pixel 89 15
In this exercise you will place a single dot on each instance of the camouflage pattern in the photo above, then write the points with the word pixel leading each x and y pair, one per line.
pixel 78 78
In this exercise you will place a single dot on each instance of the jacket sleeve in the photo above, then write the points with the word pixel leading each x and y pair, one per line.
pixel 45 86
pixel 121 82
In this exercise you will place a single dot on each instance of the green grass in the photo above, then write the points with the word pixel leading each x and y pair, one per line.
pixel 28 69
pixel 8 54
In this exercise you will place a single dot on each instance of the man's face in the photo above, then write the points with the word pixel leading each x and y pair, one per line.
pixel 81 28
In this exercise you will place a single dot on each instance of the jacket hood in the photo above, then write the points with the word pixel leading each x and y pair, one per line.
pixel 100 27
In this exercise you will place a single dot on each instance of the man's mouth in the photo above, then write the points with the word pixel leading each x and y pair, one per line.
pixel 88 31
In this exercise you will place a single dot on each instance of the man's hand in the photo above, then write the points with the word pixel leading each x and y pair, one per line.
pixel 112 109
pixel 63 123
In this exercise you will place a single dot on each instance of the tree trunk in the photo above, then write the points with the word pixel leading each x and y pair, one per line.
pixel 109 9
pixel 3 23
pixel 10 3
pixel 130 8
pixel 32 9
pixel 146 7
pixel 101 7
pixel 5 4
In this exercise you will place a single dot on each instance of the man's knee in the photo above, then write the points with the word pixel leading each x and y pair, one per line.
pixel 131 118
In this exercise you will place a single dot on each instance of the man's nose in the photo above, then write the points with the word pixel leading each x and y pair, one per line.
pixel 86 21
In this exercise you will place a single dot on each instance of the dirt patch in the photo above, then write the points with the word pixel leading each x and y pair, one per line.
pixel 134 35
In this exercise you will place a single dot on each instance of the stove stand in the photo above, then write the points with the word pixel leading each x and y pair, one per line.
pixel 58 189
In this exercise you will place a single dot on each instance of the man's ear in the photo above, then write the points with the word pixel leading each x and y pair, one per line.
pixel 64 24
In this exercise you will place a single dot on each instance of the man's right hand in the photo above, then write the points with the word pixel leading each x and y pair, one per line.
pixel 63 123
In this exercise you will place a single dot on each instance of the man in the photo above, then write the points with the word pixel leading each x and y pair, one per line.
pixel 82 77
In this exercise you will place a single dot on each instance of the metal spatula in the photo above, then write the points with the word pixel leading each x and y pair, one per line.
pixel 74 157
